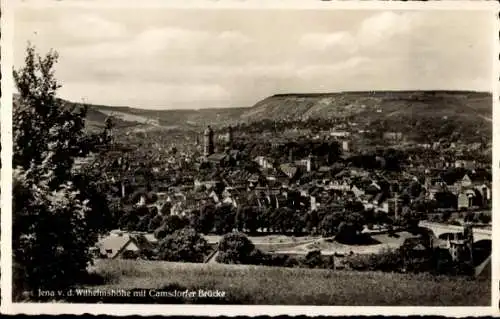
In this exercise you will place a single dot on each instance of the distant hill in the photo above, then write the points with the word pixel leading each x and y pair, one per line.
pixel 141 119
pixel 466 106
pixel 165 118
pixel 373 105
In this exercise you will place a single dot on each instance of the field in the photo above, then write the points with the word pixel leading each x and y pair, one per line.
pixel 291 286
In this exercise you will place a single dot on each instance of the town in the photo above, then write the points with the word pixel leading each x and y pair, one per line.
pixel 337 188
pixel 206 156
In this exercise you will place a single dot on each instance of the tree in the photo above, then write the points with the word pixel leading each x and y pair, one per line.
pixel 409 219
pixel 155 223
pixel 484 218
pixel 284 219
pixel 184 245
pixel 312 221
pixel 203 219
pixel 224 216
pixel 415 189
pixel 171 224
pixel 329 224
pixel 128 221
pixel 165 208
pixel 143 223
pixel 250 218
pixel 54 219
pixel 349 230
pixel 235 248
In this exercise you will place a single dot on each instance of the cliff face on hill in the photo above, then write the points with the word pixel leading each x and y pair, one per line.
pixel 373 105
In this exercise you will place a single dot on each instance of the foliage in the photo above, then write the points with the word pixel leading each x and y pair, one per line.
pixel 50 241
pixel 235 248
pixel 224 216
pixel 203 219
pixel 183 245
pixel 484 218
pixel 349 229
pixel 170 225
pixel 387 260
pixel 56 216
pixel 330 223
pixel 246 218
pixel 313 259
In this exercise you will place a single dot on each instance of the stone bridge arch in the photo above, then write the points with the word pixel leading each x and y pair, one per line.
pixel 439 230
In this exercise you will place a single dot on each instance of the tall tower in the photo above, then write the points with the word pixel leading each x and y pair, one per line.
pixel 208 137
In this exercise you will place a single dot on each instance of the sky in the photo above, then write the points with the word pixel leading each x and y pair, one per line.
pixel 158 58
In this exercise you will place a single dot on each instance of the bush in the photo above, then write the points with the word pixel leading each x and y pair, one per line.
pixel 387 260
pixel 235 248
pixel 329 224
pixel 446 216
pixel 184 245
pixel 291 262
pixel 313 259
pixel 257 257
pixel 455 223
pixel 484 218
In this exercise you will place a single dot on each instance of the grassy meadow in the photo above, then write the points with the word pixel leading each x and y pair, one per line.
pixel 246 284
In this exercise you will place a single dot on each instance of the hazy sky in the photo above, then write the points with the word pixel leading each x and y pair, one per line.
pixel 166 58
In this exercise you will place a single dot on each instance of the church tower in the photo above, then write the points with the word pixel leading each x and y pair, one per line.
pixel 208 136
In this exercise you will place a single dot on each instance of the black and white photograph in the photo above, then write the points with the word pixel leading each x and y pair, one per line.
pixel 252 155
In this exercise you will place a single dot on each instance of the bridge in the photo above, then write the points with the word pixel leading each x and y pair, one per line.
pixel 439 229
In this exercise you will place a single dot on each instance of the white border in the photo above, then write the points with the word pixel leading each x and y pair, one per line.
pixel 6 155
pixel 495 253
pixel 266 4
pixel 211 310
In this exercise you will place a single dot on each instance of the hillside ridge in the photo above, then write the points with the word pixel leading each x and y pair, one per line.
pixel 373 105
pixel 365 105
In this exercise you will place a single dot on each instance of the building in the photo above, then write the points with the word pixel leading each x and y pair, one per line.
pixel 335 133
pixel 395 136
pixel 289 170
pixel 264 162
pixel 345 146
pixel 120 244
pixel 227 137
pixel 465 164
pixel 218 159
pixel 307 163
pixel 467 199
pixel 208 139
pixel 459 245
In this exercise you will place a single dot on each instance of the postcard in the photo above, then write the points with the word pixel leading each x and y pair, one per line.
pixel 246 158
